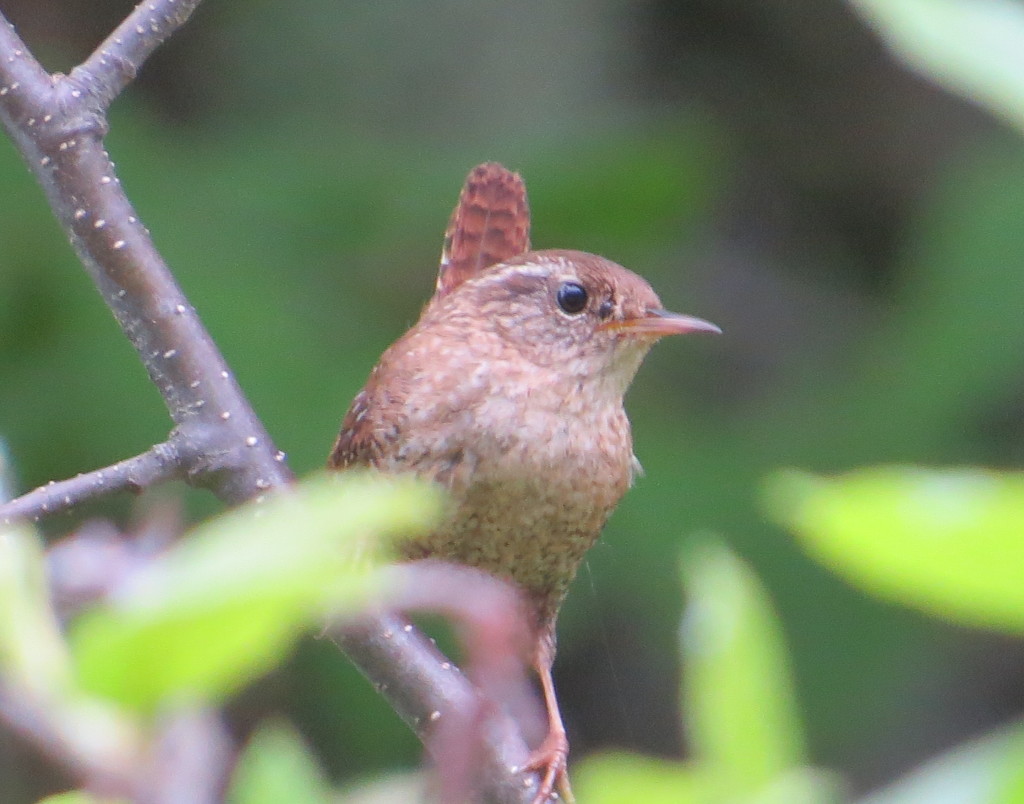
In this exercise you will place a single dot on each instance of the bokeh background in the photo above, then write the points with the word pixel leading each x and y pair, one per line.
pixel 854 229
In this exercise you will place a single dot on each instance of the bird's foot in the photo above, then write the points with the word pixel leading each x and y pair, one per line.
pixel 551 761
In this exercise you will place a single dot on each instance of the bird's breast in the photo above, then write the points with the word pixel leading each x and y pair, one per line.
pixel 533 474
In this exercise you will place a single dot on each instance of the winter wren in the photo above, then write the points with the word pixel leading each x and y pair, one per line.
pixel 508 393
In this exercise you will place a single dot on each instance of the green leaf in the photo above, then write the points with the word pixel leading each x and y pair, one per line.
pixel 621 778
pixel 1010 777
pixel 973 47
pixel 227 602
pixel 77 797
pixel 737 690
pixel 276 766
pixel 949 542
pixel 986 770
pixel 393 787
pixel 802 786
pixel 32 651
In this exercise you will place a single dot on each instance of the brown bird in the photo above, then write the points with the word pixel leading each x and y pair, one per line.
pixel 508 393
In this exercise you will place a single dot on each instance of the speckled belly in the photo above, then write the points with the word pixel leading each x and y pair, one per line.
pixel 532 528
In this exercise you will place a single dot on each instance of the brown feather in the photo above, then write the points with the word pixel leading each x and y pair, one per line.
pixel 490 224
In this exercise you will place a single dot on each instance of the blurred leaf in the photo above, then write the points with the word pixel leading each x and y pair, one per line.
pixel 738 694
pixel 975 771
pixel 1010 789
pixel 973 47
pixel 277 766
pixel 6 474
pixel 35 665
pixel 32 651
pixel 950 542
pixel 391 788
pixel 802 786
pixel 77 797
pixel 227 602
pixel 620 778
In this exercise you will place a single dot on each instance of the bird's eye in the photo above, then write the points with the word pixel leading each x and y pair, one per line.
pixel 572 297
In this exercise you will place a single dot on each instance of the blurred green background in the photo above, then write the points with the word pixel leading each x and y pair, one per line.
pixel 854 229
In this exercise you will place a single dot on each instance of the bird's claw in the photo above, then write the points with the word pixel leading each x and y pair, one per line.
pixel 551 761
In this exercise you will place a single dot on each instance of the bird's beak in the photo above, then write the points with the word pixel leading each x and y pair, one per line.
pixel 659 323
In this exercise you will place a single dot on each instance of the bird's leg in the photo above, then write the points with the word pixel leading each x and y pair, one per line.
pixel 551 757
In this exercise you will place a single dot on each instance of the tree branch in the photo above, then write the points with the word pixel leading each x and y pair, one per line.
pixel 58 123
pixel 189 762
pixel 192 761
pixel 115 63
pixel 424 688
pixel 156 465
pixel 107 772
pixel 23 81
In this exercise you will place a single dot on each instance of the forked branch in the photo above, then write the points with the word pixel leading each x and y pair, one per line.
pixel 155 465
pixel 58 123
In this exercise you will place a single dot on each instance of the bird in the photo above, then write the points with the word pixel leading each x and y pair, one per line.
pixel 508 393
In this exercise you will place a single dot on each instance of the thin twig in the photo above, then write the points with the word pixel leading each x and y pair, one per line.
pixel 156 465
pixel 423 687
pixel 58 124
pixel 46 729
pixel 114 64
pixel 191 760
pixel 23 81
pixel 491 619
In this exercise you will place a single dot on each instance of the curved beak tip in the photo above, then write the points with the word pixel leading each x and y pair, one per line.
pixel 661 322
pixel 689 323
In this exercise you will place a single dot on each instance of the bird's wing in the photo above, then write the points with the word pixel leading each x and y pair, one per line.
pixel 358 444
pixel 376 430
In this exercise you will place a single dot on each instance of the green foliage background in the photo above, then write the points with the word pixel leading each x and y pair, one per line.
pixel 855 232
